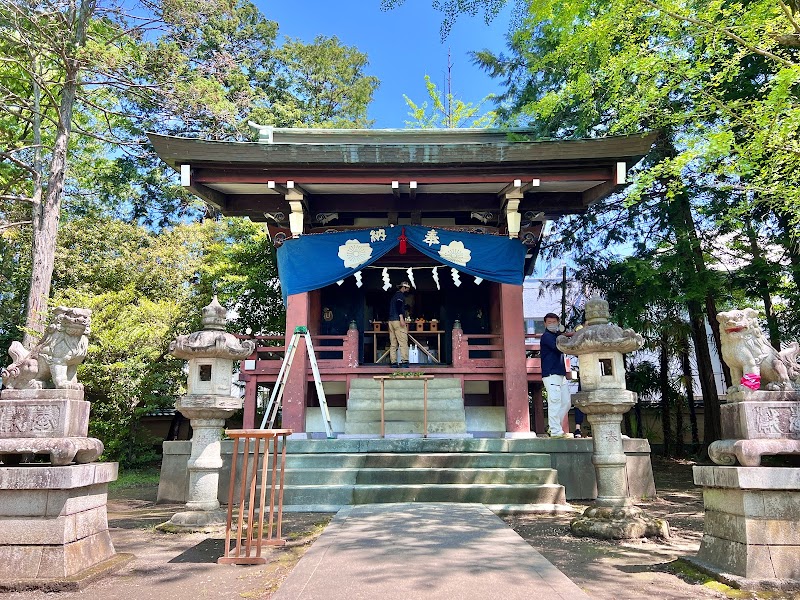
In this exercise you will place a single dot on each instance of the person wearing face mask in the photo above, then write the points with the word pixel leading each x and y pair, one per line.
pixel 554 376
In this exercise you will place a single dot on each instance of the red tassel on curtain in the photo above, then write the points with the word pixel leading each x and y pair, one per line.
pixel 403 241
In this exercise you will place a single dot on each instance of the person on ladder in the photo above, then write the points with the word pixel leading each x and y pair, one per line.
pixel 398 326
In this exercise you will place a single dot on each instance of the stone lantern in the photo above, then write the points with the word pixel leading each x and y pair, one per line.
pixel 600 346
pixel 207 404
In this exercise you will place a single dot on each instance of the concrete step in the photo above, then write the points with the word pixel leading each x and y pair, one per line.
pixel 405 404
pixel 339 495
pixel 433 384
pixel 331 498
pixel 481 493
pixel 415 414
pixel 422 445
pixel 418 476
pixel 438 460
pixel 401 427
pixel 360 396
pixel 456 460
pixel 439 476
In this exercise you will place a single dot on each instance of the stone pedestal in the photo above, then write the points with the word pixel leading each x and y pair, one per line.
pixel 604 410
pixel 612 515
pixel 207 416
pixel 53 523
pixel 752 526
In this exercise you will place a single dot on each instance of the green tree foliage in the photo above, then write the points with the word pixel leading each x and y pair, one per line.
pixel 719 80
pixel 324 85
pixel 83 80
pixel 144 288
pixel 596 68
pixel 448 111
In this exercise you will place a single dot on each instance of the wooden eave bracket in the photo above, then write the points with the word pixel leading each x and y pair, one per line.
pixel 511 196
pixel 297 203
pixel 513 217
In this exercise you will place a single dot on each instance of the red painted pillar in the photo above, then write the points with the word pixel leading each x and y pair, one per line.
pixel 250 399
pixel 295 396
pixel 515 375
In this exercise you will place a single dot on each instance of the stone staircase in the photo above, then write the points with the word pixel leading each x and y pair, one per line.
pixel 403 408
pixel 324 475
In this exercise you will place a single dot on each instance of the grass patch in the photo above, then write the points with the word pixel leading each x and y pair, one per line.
pixel 691 574
pixel 136 478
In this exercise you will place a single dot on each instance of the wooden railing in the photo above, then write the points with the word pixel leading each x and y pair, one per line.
pixel 339 353
pixel 332 351
pixel 268 449
pixel 473 351
pixel 475 357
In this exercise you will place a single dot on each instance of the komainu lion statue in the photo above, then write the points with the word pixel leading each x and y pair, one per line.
pixel 746 350
pixel 54 361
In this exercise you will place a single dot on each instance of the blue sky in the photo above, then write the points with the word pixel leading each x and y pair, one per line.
pixel 403 46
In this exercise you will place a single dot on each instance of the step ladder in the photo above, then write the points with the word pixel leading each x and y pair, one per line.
pixel 276 397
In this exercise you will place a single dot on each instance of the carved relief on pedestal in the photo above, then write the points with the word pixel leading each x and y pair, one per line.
pixel 29 419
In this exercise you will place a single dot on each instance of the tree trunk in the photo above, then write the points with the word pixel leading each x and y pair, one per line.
pixel 663 385
pixel 791 244
pixel 46 213
pixel 688 384
pixel 32 325
pixel 696 287
pixel 711 429
pixel 680 449
pixel 762 285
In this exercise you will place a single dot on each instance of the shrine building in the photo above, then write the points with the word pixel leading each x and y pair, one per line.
pixel 352 213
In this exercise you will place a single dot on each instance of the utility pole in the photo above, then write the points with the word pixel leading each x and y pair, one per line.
pixel 564 295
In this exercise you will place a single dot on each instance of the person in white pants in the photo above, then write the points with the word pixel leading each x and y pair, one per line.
pixel 554 376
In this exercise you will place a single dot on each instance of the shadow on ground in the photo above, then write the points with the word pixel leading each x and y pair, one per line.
pixel 184 565
pixel 647 568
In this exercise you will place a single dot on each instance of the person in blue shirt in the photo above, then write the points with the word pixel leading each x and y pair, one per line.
pixel 398 327
pixel 554 376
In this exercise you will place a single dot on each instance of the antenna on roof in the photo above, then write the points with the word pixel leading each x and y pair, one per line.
pixel 449 92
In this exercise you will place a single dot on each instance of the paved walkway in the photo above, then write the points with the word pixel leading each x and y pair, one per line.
pixel 423 551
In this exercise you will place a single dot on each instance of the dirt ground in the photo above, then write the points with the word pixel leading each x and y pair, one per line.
pixel 184 566
pixel 610 570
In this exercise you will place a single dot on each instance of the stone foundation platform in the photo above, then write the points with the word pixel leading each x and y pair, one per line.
pixel 53 523
pixel 752 526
